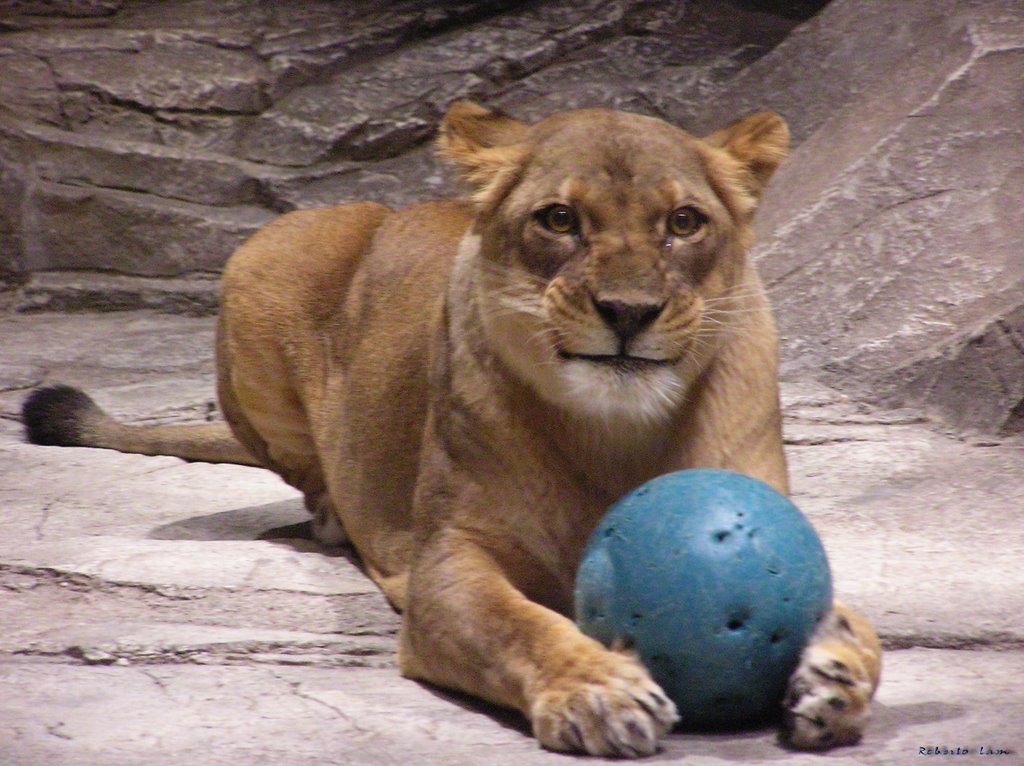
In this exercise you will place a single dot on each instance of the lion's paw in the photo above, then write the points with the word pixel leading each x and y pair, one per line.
pixel 326 526
pixel 829 695
pixel 616 711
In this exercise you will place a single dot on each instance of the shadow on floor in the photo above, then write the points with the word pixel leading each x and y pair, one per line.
pixel 283 523
pixel 888 720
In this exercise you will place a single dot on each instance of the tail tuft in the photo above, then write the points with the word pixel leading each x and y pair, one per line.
pixel 55 416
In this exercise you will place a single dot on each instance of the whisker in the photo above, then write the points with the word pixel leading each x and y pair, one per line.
pixel 513 304
pixel 737 310
pixel 549 350
pixel 739 296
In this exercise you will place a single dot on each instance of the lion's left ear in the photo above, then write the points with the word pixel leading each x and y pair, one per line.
pixel 482 142
pixel 759 142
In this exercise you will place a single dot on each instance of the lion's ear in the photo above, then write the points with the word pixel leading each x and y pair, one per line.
pixel 482 142
pixel 759 142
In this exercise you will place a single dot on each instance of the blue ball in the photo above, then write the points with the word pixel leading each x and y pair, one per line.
pixel 718 581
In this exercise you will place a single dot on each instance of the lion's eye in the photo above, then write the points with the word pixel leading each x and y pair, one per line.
pixel 685 221
pixel 558 219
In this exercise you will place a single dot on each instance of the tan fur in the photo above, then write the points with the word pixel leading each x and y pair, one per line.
pixel 413 373
pixel 830 693
pixel 209 443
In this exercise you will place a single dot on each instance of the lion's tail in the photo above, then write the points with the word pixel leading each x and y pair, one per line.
pixel 67 417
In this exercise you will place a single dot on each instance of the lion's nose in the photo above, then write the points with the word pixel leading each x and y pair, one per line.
pixel 627 319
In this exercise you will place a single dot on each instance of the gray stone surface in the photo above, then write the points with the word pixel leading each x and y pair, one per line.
pixel 156 611
pixel 892 242
pixel 301 716
pixel 195 294
pixel 192 117
pixel 12 10
pixel 974 380
pixel 82 227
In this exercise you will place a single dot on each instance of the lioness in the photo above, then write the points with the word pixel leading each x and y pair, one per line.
pixel 462 388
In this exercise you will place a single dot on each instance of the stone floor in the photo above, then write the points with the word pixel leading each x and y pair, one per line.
pixel 156 612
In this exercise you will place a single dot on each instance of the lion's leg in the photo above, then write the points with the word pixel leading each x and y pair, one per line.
pixel 299 469
pixel 468 627
pixel 268 419
pixel 830 691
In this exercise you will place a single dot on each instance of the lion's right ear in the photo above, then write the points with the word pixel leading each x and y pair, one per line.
pixel 485 144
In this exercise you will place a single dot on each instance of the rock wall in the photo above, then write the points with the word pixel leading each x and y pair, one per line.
pixel 149 138
pixel 140 141
pixel 893 242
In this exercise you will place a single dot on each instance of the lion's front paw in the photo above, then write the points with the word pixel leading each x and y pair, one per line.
pixel 610 707
pixel 829 694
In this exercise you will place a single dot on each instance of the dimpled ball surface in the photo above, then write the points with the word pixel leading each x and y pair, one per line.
pixel 717 580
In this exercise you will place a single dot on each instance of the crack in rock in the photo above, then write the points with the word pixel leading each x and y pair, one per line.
pixel 53 729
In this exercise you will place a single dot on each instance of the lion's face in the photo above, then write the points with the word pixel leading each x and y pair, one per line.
pixel 611 256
